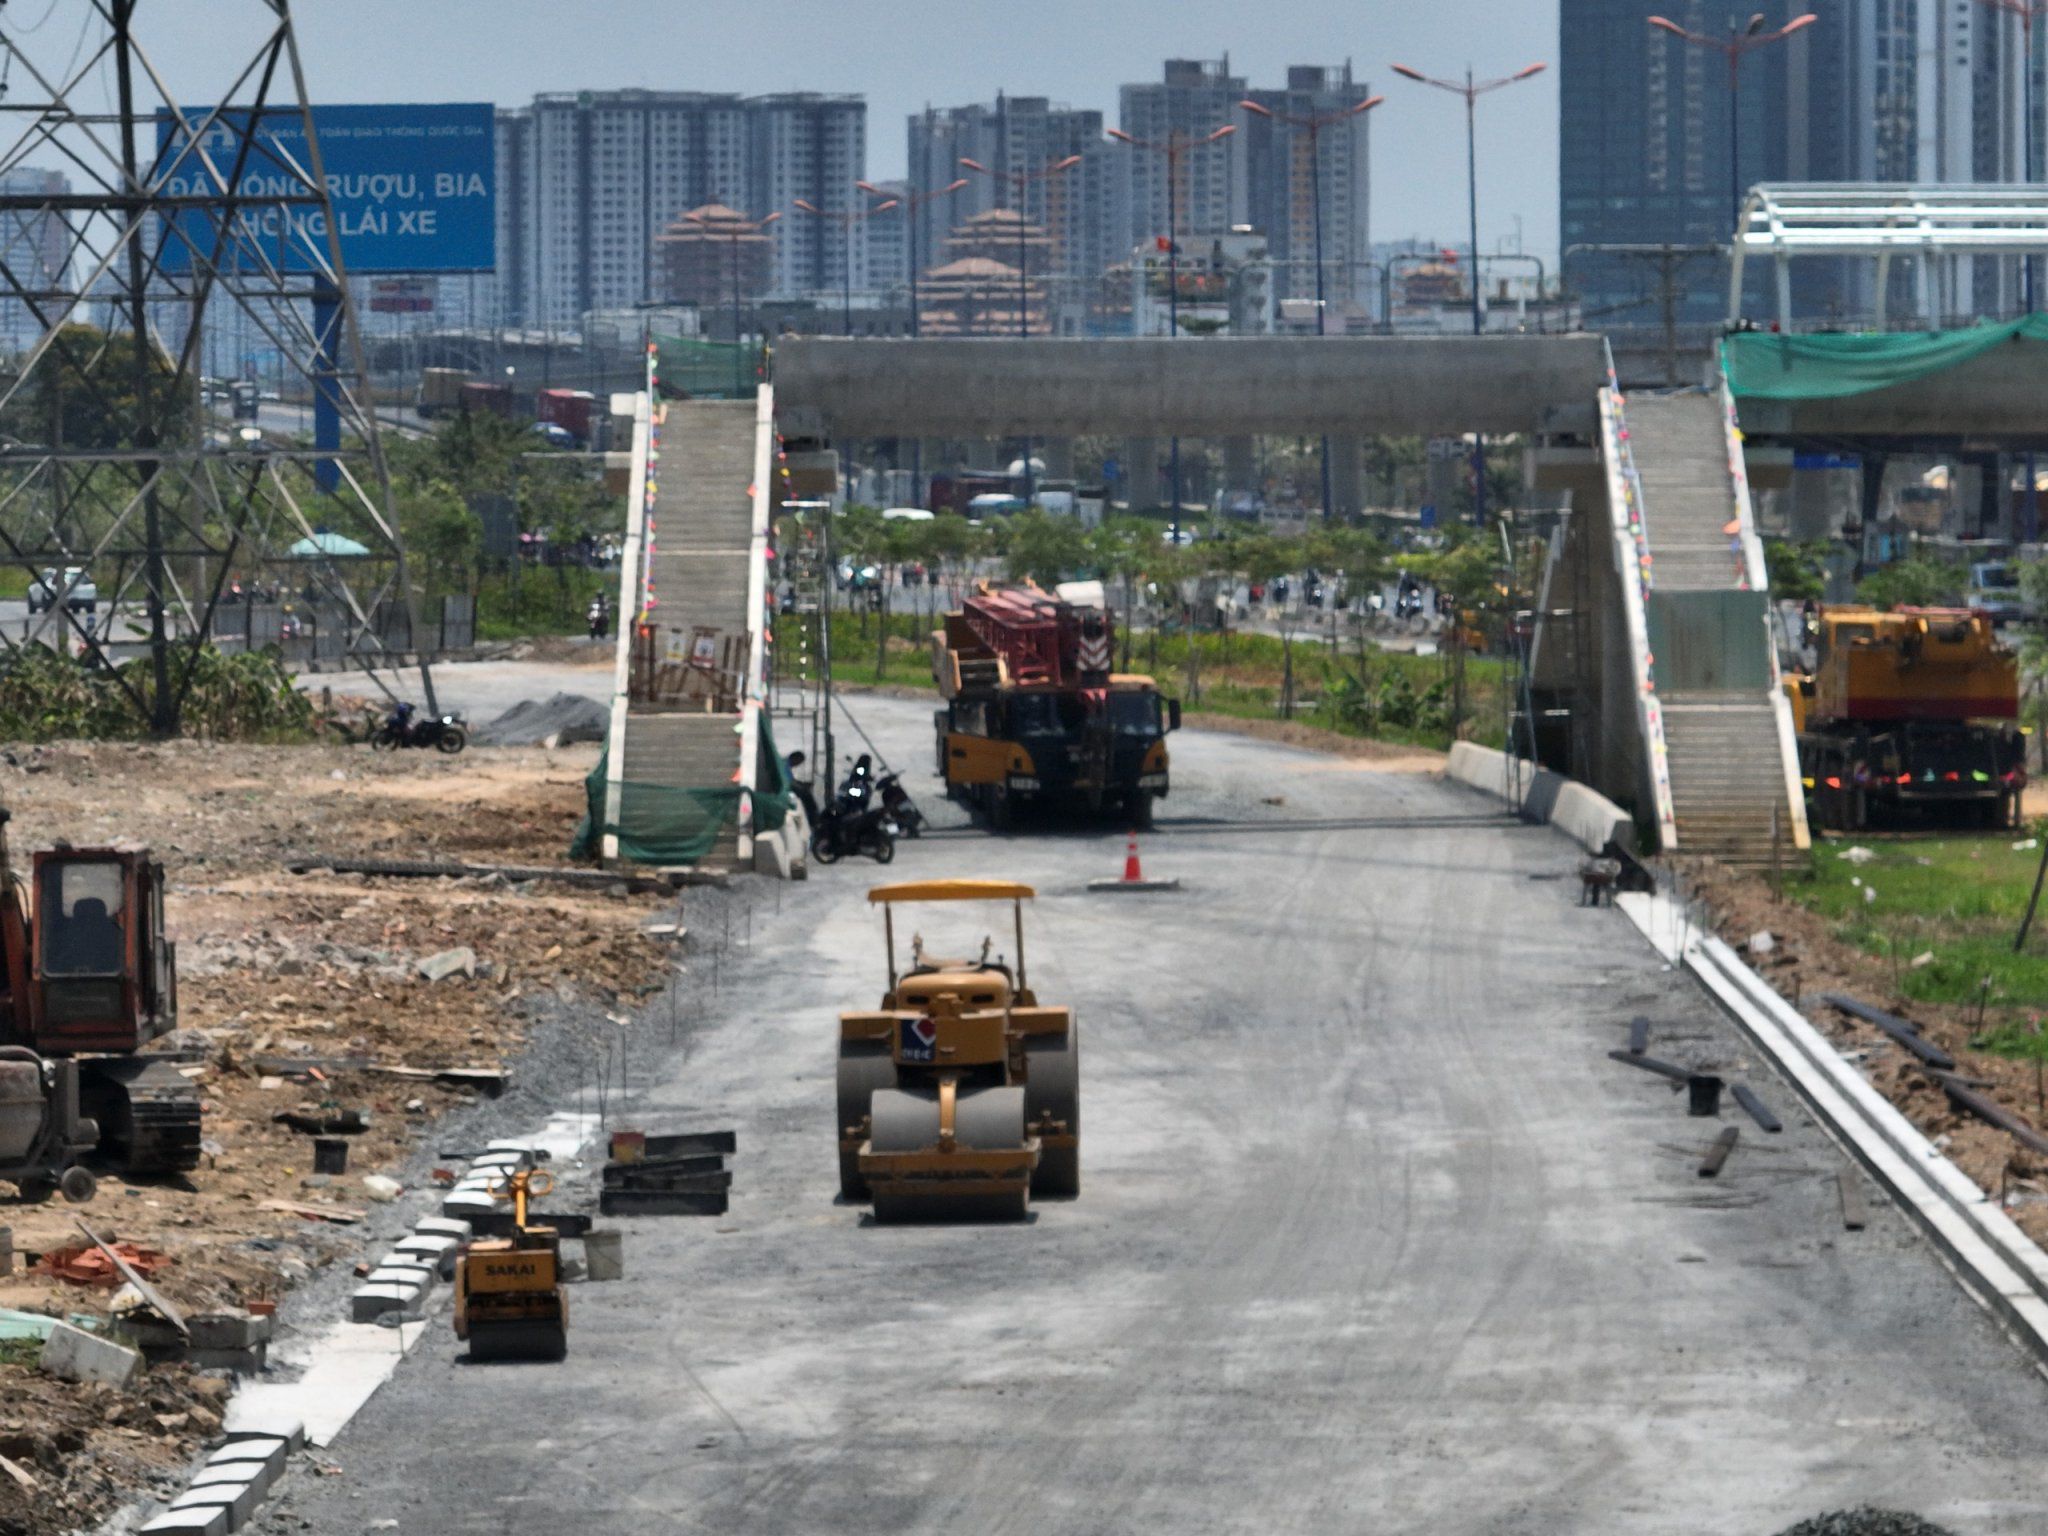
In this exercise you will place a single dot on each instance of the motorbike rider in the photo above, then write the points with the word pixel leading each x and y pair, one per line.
pixel 599 617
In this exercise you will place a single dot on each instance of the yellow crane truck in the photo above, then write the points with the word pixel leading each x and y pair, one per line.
pixel 1034 713
pixel 1913 710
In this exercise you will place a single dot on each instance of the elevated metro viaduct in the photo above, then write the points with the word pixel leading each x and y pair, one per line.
pixel 1686 731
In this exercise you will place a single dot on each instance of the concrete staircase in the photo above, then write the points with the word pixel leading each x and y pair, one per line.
pixel 1725 753
pixel 702 520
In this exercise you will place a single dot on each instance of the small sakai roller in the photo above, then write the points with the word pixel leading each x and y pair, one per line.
pixel 960 1095
pixel 509 1303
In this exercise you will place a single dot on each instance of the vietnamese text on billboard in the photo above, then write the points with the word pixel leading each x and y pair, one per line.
pixel 413 188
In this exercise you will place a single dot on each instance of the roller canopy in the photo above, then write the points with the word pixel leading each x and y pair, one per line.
pixel 952 890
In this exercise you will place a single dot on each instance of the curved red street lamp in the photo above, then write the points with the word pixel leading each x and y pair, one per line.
pixel 1738 43
pixel 846 222
pixel 1472 90
pixel 1172 148
pixel 910 206
pixel 1313 125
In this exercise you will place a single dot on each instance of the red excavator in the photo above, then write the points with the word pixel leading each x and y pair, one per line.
pixel 87 980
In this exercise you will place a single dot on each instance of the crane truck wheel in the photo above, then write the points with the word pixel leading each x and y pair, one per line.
pixel 987 1119
pixel 865 1069
pixel 1052 1091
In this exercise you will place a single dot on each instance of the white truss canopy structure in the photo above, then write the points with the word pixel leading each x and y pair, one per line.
pixel 1935 227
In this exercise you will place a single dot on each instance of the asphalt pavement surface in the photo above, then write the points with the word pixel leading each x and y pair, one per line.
pixel 1372 1235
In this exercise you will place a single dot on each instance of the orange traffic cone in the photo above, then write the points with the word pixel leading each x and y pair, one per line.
pixel 1133 880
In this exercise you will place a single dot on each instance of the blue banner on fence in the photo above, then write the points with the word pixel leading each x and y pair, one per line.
pixel 413 186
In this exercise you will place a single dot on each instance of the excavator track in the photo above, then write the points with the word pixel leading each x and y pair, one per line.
pixel 148 1113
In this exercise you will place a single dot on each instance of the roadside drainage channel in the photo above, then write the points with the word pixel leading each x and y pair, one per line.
pixel 344 1364
pixel 1997 1264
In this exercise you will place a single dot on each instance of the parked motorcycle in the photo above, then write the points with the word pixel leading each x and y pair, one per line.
pixel 406 727
pixel 901 808
pixel 857 821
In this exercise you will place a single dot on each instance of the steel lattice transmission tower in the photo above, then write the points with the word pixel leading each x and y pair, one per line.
pixel 187 213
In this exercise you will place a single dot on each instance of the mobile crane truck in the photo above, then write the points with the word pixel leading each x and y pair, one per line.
pixel 1033 712
pixel 1912 710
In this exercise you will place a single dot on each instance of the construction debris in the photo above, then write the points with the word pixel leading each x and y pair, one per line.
pixel 439 967
pixel 682 1175
pixel 559 721
pixel 96 1265
pixel 1865 1522
pixel 1903 1031
pixel 411 869
pixel 1717 1154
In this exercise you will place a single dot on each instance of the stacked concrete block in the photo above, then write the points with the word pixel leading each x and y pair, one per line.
pixel 437 1251
pixel 235 1503
pixel 206 1521
pixel 76 1355
pixel 235 1479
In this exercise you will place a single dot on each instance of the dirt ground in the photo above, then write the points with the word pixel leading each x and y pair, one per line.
pixel 277 965
pixel 1806 959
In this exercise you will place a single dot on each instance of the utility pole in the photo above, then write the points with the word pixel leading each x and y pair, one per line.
pixel 1669 260
pixel 158 258
pixel 1471 90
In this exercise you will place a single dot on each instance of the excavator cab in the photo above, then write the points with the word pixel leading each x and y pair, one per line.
pixel 102 975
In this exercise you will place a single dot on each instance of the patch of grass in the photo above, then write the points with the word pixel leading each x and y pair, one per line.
pixel 1955 899
pixel 22 1352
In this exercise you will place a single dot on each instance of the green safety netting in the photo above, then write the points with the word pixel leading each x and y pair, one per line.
pixel 688 368
pixel 1763 366
pixel 661 824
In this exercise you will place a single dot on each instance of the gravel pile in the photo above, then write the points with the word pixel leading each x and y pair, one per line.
pixel 1865 1522
pixel 566 718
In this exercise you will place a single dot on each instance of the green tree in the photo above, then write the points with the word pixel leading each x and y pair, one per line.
pixel 1918 581
pixel 1797 572
pixel 88 393
pixel 1047 549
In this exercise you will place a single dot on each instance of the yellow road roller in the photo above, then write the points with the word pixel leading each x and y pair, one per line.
pixel 509 1302
pixel 960 1096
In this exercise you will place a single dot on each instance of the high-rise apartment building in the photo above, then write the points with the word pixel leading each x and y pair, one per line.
pixel 1279 172
pixel 1194 99
pixel 815 147
pixel 1873 90
pixel 587 181
pixel 1018 136
pixel 35 248
pixel 888 240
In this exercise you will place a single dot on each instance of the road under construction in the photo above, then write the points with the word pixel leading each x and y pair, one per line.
pixel 1372 1234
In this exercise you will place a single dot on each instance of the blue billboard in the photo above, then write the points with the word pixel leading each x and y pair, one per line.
pixel 414 188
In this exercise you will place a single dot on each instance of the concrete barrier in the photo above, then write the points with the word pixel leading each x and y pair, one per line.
pixel 1589 818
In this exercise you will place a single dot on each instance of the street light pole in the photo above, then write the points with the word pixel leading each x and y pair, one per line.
pixel 1018 181
pixel 1313 126
pixel 1738 44
pixel 1472 90
pixel 846 222
pixel 732 240
pixel 1175 145
pixel 911 204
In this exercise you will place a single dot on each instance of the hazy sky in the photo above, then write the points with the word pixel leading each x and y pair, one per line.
pixel 904 54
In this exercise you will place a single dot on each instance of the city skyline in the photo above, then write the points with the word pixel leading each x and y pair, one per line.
pixel 969 51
